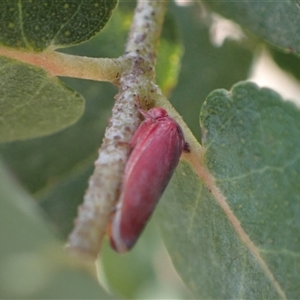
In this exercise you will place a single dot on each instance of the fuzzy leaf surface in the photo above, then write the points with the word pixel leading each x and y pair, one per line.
pixel 277 22
pixel 32 103
pixel 241 237
pixel 34 24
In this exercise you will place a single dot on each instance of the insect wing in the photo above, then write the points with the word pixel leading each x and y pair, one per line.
pixel 157 149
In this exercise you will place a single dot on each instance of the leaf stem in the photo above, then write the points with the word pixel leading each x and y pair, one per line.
pixel 61 64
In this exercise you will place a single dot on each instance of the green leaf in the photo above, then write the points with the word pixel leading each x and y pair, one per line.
pixel 33 264
pixel 112 39
pixel 41 163
pixel 239 238
pixel 48 164
pixel 34 24
pixel 277 22
pixel 32 103
pixel 57 167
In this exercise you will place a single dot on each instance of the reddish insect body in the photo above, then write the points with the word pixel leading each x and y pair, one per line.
pixel 156 149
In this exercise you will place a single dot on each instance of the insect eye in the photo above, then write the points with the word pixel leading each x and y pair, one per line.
pixel 158 113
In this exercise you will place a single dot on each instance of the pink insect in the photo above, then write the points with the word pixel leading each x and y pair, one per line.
pixel 156 148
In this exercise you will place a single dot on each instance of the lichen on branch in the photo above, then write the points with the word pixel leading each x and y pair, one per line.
pixel 136 88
